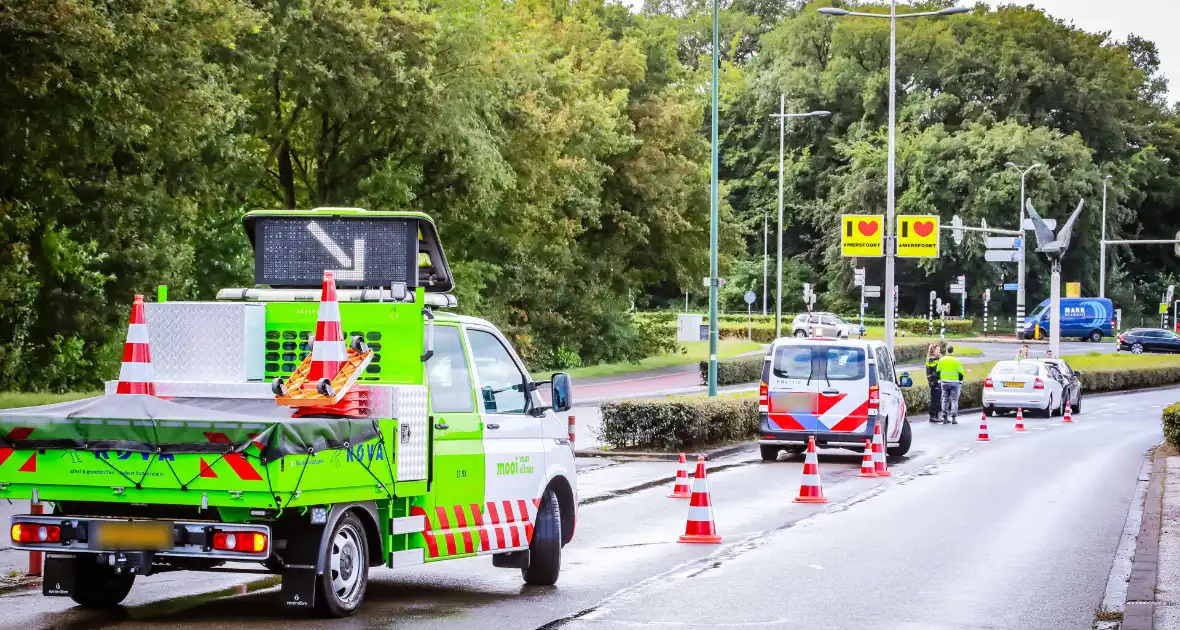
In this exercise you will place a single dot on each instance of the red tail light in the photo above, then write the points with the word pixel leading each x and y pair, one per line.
pixel 35 533
pixel 1038 384
pixel 244 542
pixel 874 399
pixel 987 382
pixel 764 396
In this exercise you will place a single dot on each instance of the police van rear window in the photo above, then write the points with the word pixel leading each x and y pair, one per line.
pixel 820 362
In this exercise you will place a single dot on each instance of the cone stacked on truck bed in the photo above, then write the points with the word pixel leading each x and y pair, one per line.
pixel 135 375
pixel 680 485
pixel 328 353
pixel 700 527
pixel 811 489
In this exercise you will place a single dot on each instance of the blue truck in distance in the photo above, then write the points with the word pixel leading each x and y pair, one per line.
pixel 1084 318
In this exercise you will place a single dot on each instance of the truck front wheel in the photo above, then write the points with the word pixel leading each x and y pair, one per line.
pixel 97 585
pixel 545 548
pixel 346 569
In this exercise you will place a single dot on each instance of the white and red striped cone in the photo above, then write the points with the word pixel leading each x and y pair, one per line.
pixel 983 430
pixel 700 527
pixel 680 488
pixel 867 466
pixel 1068 413
pixel 1019 420
pixel 811 489
pixel 880 465
pixel 328 353
pixel 135 375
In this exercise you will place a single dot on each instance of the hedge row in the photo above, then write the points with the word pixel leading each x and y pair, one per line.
pixel 748 369
pixel 677 424
pixel 1172 424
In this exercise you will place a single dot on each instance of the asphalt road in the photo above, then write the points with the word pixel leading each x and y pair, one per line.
pixel 1016 533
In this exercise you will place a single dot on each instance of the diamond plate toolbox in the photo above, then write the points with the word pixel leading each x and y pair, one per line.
pixel 413 431
pixel 207 341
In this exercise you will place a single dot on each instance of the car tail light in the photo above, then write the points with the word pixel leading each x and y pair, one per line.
pixel 874 399
pixel 764 396
pixel 1038 384
pixel 987 382
pixel 241 541
pixel 35 533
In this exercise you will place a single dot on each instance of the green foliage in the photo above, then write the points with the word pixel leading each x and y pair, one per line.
pixel 678 424
pixel 1171 421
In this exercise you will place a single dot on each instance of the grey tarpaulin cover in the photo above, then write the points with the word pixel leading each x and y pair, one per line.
pixel 146 424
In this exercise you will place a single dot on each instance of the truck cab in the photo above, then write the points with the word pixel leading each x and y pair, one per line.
pixel 438 445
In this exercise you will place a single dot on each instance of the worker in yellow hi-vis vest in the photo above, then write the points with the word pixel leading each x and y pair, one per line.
pixel 950 377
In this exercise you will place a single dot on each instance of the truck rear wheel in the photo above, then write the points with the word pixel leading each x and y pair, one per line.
pixel 97 585
pixel 346 569
pixel 545 548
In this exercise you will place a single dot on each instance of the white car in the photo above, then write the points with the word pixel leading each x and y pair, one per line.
pixel 823 324
pixel 1026 384
pixel 835 390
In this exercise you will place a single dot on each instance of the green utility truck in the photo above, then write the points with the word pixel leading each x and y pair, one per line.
pixel 451 452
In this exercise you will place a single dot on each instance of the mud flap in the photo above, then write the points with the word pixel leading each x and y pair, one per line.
pixel 299 587
pixel 57 578
pixel 511 560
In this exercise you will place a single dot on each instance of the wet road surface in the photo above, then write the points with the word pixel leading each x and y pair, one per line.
pixel 1016 533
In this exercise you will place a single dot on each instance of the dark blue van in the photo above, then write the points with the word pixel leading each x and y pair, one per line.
pixel 1084 318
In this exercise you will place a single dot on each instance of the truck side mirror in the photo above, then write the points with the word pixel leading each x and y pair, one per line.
pixel 562 392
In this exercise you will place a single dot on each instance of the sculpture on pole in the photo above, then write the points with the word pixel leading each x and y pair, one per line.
pixel 1053 247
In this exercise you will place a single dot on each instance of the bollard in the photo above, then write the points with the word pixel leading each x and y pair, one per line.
pixel 572 431
pixel 36 558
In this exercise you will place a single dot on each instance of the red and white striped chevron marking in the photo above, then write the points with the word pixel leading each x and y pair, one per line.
pixel 494 527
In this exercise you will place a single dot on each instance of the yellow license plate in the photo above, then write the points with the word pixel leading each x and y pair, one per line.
pixel 1013 384
pixel 133 535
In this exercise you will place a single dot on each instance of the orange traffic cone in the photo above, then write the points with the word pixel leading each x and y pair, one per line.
pixel 811 490
pixel 680 489
pixel 983 430
pixel 135 375
pixel 866 463
pixel 328 353
pixel 1019 420
pixel 880 465
pixel 1068 413
pixel 700 527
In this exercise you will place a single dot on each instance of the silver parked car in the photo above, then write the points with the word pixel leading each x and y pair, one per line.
pixel 829 324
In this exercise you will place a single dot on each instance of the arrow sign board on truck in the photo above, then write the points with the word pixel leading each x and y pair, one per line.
pixel 1001 255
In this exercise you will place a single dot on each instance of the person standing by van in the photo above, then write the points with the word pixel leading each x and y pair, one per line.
pixel 933 354
pixel 950 377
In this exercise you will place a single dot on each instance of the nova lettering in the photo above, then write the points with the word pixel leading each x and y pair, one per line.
pixel 374 452
pixel 127 455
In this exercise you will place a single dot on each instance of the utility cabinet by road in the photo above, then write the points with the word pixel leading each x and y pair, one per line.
pixel 424 439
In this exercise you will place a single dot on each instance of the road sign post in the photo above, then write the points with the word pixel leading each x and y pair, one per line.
pixel 930 314
pixel 750 297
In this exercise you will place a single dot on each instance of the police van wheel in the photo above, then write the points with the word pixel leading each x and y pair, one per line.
pixel 545 548
pixel 346 569
pixel 97 585
pixel 903 444
pixel 769 452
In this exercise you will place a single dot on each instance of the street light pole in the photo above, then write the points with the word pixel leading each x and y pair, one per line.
pixel 1102 244
pixel 890 290
pixel 713 220
pixel 1020 261
pixel 782 117
pixel 765 261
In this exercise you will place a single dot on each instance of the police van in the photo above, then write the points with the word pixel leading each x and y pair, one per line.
pixel 836 390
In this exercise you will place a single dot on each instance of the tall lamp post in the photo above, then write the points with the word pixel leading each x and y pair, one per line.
pixel 765 260
pixel 782 115
pixel 890 245
pixel 1102 244
pixel 1020 262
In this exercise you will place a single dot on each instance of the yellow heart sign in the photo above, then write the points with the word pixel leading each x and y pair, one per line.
pixel 862 236
pixel 917 236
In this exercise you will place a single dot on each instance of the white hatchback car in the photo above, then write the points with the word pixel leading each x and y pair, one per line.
pixel 1023 384
pixel 835 390
pixel 814 324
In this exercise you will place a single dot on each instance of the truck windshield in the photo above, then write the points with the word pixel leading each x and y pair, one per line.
pixel 1037 314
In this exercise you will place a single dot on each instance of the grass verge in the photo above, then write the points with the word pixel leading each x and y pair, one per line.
pixel 694 352
pixel 8 400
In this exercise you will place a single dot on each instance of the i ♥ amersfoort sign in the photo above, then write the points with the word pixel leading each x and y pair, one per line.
pixel 862 236
pixel 917 236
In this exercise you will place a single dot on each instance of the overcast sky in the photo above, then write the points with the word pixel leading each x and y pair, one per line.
pixel 1156 20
